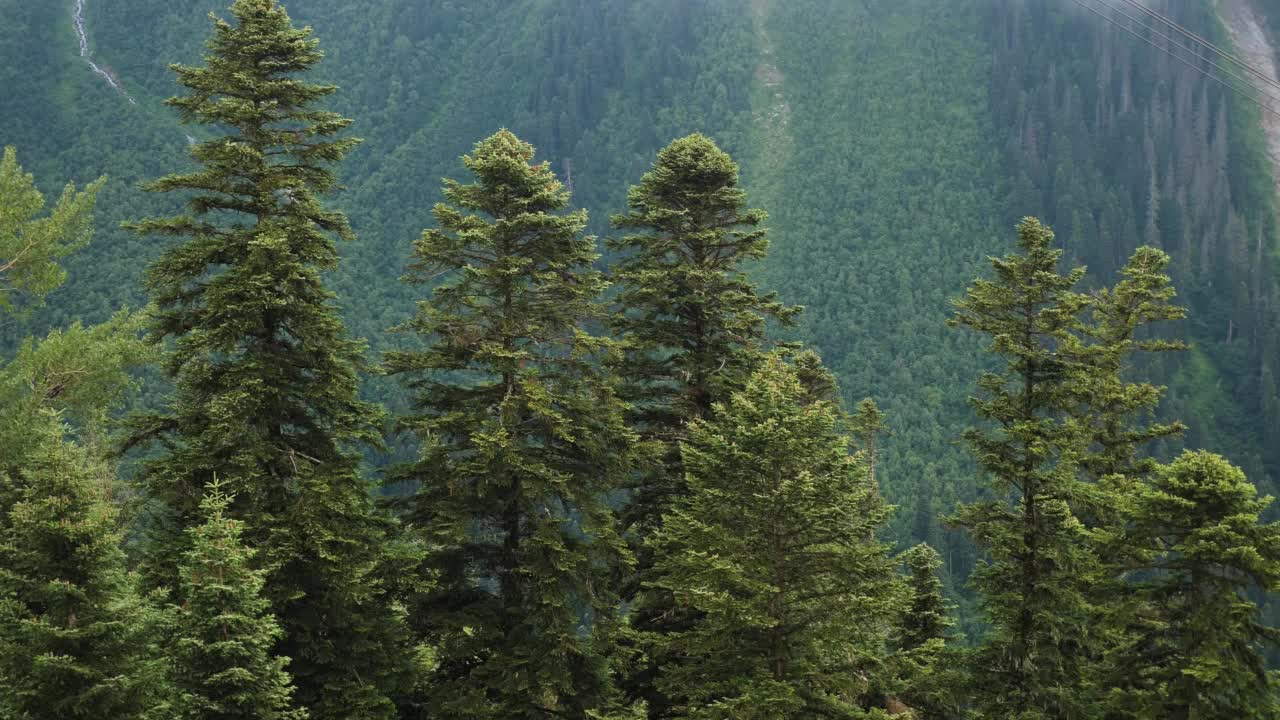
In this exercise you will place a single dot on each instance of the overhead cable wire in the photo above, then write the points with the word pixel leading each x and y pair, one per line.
pixel 1227 55
pixel 1184 61
pixel 1172 41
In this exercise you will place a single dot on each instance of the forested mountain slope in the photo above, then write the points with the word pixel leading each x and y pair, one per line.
pixel 895 144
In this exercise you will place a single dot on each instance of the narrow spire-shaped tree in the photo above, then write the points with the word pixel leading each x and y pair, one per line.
pixel 692 326
pixel 1035 585
pixel 927 618
pixel 266 377
pixel 692 322
pixel 920 638
pixel 1118 329
pixel 868 425
pixel 221 662
pixel 76 640
pixel 523 438
pixel 774 548
pixel 1117 412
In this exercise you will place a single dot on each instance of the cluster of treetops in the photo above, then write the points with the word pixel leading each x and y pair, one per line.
pixel 626 502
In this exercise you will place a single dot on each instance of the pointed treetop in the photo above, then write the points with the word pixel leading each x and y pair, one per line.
pixel 507 179
pixel 691 175
pixel 868 419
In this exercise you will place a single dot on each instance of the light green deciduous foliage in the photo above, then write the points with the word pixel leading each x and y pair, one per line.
pixel 30 246
pixel 77 641
pixel 1198 650
pixel 522 439
pixel 266 378
pixel 79 373
pixel 221 661
pixel 1035 586
pixel 773 547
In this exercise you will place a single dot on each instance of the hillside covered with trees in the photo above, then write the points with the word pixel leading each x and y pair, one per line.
pixel 632 359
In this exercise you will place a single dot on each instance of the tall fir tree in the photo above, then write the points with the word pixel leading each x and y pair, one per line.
pixel 927 618
pixel 773 547
pixel 523 438
pixel 221 660
pixel 1199 652
pixel 1117 411
pixel 868 425
pixel 692 326
pixel 1037 584
pixel 1112 404
pixel 77 640
pixel 919 641
pixel 691 321
pixel 266 378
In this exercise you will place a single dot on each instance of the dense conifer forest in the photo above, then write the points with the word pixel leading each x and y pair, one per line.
pixel 634 359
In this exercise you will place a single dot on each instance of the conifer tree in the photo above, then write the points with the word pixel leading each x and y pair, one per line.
pixel 1118 329
pixel 819 383
pixel 1116 412
pixel 1036 585
pixel 692 326
pixel 522 438
pixel 927 618
pixel 77 642
pixel 691 321
pixel 867 425
pixel 266 378
pixel 222 666
pixel 920 638
pixel 30 246
pixel 771 547
pixel 76 639
pixel 1199 649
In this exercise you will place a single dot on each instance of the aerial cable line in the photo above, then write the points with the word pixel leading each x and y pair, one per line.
pixel 1184 61
pixel 1230 57
pixel 1172 41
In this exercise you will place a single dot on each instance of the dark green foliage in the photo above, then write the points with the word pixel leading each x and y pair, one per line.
pixel 1035 587
pixel 1198 650
pixel 522 439
pixel 692 326
pixel 950 120
pixel 1113 139
pixel 76 640
pixel 818 382
pixel 867 425
pixel 222 666
pixel 888 139
pixel 266 379
pixel 773 546
pixel 926 618
pixel 927 665
pixel 1117 330
pixel 691 320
